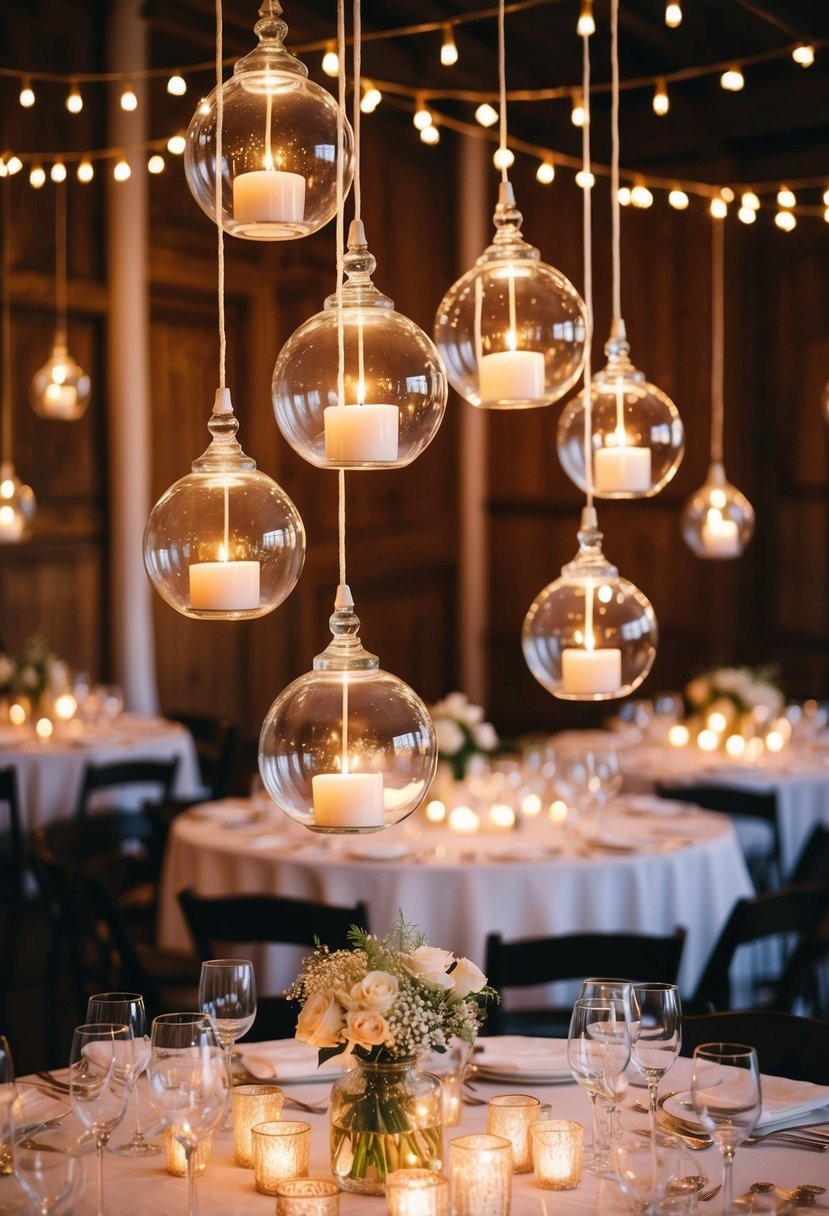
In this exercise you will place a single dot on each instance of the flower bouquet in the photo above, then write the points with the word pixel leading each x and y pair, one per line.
pixel 735 693
pixel 383 1002
pixel 462 733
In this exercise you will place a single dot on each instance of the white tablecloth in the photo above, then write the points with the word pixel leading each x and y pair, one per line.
pixel 689 872
pixel 49 774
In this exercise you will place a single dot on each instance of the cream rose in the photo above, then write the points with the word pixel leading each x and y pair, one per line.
pixel 429 965
pixel 320 1021
pixel 366 1028
pixel 378 990
pixel 466 978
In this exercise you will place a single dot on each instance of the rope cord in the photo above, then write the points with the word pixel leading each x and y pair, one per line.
pixel 614 162
pixel 717 338
pixel 588 271
pixel 219 228
pixel 502 86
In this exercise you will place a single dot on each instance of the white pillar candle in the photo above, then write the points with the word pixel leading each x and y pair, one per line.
pixel 622 468
pixel 11 523
pixel 268 196
pixel 355 433
pixel 224 586
pixel 348 800
pixel 61 400
pixel 719 536
pixel 591 671
pixel 511 375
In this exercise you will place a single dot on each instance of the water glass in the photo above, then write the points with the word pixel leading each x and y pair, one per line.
pixel 645 1165
pixel 227 994
pixel 727 1099
pixel 128 1007
pixel 100 1076
pixel 598 1052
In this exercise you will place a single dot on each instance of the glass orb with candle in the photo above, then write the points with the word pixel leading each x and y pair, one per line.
pixel 279 144
pixel 225 542
pixel 590 635
pixel 393 386
pixel 511 331
pixel 17 505
pixel 60 389
pixel 347 747
pixel 636 436
pixel 717 520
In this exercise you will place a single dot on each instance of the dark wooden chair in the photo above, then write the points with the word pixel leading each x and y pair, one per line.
pixel 532 962
pixel 241 920
pixel 154 777
pixel 787 1045
pixel 216 740
pixel 12 879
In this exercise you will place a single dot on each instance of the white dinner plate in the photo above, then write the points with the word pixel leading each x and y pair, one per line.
pixel 286 1061
pixel 512 1076
pixel 227 814
pixel 33 1105
pixel 378 850
pixel 516 1059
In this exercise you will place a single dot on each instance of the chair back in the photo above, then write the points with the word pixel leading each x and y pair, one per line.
pixel 216 740
pixel 154 777
pixel 766 866
pixel 12 841
pixel 787 1045
pixel 812 864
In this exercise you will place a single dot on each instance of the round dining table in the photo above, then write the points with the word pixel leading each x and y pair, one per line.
pixel 650 868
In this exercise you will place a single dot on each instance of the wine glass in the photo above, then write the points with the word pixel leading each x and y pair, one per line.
pixel 8 1101
pixel 727 1099
pixel 188 1083
pixel 100 1073
pixel 47 1172
pixel 645 1166
pixel 586 778
pixel 598 1052
pixel 128 1007
pixel 658 1036
pixel 227 994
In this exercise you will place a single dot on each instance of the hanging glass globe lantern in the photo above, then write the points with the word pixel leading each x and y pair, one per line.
pixel 590 635
pixel 717 520
pixel 225 542
pixel 60 389
pixel 279 144
pixel 347 747
pixel 637 438
pixel 394 384
pixel 511 331
pixel 17 505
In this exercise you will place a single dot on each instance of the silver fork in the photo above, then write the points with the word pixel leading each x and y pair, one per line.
pixel 709 1193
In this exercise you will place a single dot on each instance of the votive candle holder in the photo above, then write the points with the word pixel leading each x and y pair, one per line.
pixel 512 1116
pixel 557 1154
pixel 480 1172
pixel 417 1193
pixel 252 1104
pixel 280 1151
pixel 176 1159
pixel 307 1197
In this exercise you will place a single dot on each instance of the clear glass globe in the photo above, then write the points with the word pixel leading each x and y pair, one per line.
pixel 279 144
pixel 511 331
pixel 590 635
pixel 394 384
pixel 17 505
pixel 717 520
pixel 636 434
pixel 60 389
pixel 225 542
pixel 347 748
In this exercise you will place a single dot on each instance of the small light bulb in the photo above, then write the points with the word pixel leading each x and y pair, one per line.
pixel 13 165
pixel 486 115
pixel 727 194
pixel 545 173
pixel 804 54
pixel 826 214
pixel 448 49
pixel 27 95
pixel 331 61
pixel 430 135
pixel 678 199
pixel 661 103
pixel 577 112
pixel 826 198
pixel 641 196
pixel 121 170
pixel 585 180
pixel 129 101
pixel 623 196
pixel 371 98
pixel 673 15
pixel 85 171
pixel 732 80
pixel 58 171
pixel 155 164
pixel 718 208
pixel 177 86
pixel 785 220
pixel 176 144
pixel 503 158
pixel 749 199
pixel 4 172
pixel 785 198
pixel 74 101
pixel 422 115
pixel 747 215
pixel 37 176
pixel 585 26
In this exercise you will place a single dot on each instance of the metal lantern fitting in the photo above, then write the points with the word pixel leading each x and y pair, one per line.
pixel 717 520
pixel 512 330
pixel 590 635
pixel 637 438
pixel 225 542
pixel 347 747
pixel 279 144
pixel 393 393
pixel 17 505
pixel 60 389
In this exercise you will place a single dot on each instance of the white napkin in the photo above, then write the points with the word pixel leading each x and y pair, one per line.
pixel 522 1053
pixel 651 804
pixel 228 811
pixel 285 1059
pixel 785 1099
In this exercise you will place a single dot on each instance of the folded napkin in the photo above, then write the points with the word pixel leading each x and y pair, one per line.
pixel 785 1099
pixel 288 1059
pixel 521 1053
pixel 229 812
pixel 651 804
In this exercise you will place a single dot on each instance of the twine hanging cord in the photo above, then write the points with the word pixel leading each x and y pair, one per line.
pixel 588 273
pixel 717 339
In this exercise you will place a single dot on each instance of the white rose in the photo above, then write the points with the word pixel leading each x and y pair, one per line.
pixel 455 704
pixel 366 1028
pixel 429 964
pixel 29 678
pixel 466 978
pixel 378 990
pixel 765 695
pixel 320 1021
pixel 731 679
pixel 472 714
pixel 450 737
pixel 6 669
pixel 486 737
pixel 698 691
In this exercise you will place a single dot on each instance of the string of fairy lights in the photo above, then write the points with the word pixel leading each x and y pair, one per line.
pixel 638 189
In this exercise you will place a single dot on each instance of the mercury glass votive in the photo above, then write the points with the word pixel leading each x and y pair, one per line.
pixel 417 1193
pixel 280 1152
pixel 480 1171
pixel 176 1160
pixel 307 1197
pixel 512 1116
pixel 252 1104
pixel 557 1154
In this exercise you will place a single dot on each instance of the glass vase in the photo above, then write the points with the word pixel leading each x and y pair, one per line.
pixel 384 1117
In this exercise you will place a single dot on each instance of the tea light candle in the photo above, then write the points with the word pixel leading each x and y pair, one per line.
pixel 557 1154
pixel 176 1159
pixel 511 375
pixel 463 820
pixel 511 1116
pixel 267 196
pixel 417 1193
pixel 355 433
pixel 280 1152
pixel 480 1170
pixel 224 586
pixel 624 468
pixel 591 671
pixel 252 1104
pixel 307 1197
pixel 11 523
pixel 719 536
pixel 348 800
pixel 60 400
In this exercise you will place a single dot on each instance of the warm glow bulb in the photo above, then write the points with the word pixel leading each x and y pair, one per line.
pixel 13 165
pixel 585 26
pixel 661 103
pixel 37 176
pixel 785 220
pixel 673 15
pixel 85 171
pixel 826 214
pixel 623 196
pixel 577 111
pixel 785 198
pixel 641 196
pixel 678 199
pixel 422 116
pixel 331 61
pixel 176 144
pixel 546 172
pixel 129 101
pixel 678 735
pixel 804 54
pixel 732 80
pixel 749 199
pixel 585 180
pixel 747 215
pixel 503 158
pixel 155 164
pixel 718 208
pixel 448 49
pixel 177 86
pixel 121 171
pixel 27 95
pixel 371 98
pixel 826 198
pixel 486 115
pixel 58 171
pixel 430 135
pixel 74 101
pixel 727 194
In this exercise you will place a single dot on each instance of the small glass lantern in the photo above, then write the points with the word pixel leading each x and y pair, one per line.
pixel 225 542
pixel 511 331
pixel 17 505
pixel 60 389
pixel 590 635
pixel 279 144
pixel 637 438
pixel 394 384
pixel 347 747
pixel 717 520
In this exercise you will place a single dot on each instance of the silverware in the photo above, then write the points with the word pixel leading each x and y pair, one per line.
pixel 695 1143
pixel 709 1192
pixel 53 1081
pixel 806 1192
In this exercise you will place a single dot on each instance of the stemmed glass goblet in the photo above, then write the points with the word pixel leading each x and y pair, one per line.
pixel 100 1074
pixel 586 778
pixel 658 1037
pixel 598 1052
pixel 646 1166
pixel 727 1099
pixel 188 1083
pixel 48 1173
pixel 227 994
pixel 8 1100
pixel 127 1007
